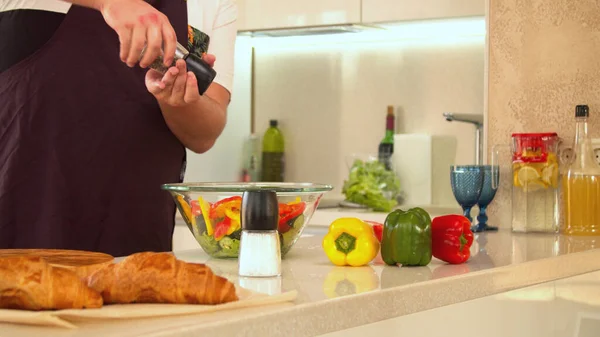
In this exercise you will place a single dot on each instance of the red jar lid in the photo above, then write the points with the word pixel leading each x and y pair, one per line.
pixel 535 135
pixel 531 141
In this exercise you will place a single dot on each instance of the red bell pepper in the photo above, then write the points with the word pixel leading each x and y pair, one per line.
pixel 377 228
pixel 288 212
pixel 451 238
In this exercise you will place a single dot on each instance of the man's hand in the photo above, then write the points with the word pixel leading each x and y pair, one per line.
pixel 139 24
pixel 196 120
pixel 177 87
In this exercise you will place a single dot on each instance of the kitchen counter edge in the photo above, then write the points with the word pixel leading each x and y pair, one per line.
pixel 313 319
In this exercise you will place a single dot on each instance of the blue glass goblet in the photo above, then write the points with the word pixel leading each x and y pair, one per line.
pixel 488 192
pixel 467 183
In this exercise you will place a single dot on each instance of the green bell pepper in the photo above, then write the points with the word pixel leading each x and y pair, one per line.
pixel 407 238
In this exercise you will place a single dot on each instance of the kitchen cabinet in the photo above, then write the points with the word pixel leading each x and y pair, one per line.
pixel 399 10
pixel 277 14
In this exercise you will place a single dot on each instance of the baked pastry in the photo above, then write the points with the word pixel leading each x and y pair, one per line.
pixel 30 283
pixel 160 278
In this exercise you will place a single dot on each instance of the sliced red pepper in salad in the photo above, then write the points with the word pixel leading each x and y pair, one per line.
pixel 223 217
pixel 288 212
pixel 195 208
pixel 222 228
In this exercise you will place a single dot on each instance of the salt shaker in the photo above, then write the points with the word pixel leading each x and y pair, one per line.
pixel 205 74
pixel 260 251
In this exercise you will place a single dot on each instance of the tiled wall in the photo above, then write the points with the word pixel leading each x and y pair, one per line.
pixel 543 60
pixel 331 99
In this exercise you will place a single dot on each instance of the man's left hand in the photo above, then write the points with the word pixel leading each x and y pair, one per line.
pixel 177 87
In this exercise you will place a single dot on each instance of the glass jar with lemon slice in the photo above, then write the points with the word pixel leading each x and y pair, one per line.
pixel 535 182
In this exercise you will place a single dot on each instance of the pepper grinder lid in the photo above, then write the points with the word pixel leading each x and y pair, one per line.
pixel 260 210
pixel 204 73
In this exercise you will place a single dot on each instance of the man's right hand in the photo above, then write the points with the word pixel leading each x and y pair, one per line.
pixel 139 24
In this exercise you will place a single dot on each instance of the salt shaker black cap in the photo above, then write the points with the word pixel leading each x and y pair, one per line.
pixel 205 74
pixel 582 111
pixel 260 210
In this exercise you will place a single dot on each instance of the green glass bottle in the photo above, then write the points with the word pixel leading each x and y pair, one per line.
pixel 273 154
pixel 386 146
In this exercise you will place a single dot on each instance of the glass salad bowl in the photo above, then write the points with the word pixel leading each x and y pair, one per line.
pixel 212 212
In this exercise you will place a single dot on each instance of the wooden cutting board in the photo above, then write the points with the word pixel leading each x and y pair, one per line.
pixel 82 262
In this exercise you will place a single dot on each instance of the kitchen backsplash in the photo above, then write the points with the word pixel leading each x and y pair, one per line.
pixel 331 99
pixel 224 161
pixel 543 61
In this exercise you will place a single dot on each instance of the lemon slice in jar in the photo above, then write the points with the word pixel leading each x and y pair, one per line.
pixel 529 179
pixel 516 167
pixel 550 175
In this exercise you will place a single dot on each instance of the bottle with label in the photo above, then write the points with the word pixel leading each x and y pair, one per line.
pixel 273 154
pixel 251 159
pixel 581 183
pixel 255 157
pixel 386 146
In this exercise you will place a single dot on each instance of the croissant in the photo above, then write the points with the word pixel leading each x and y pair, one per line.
pixel 160 278
pixel 30 283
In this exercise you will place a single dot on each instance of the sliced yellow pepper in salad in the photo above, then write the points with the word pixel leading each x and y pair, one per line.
pixel 235 221
pixel 205 208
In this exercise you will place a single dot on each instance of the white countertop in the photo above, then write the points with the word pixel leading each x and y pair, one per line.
pixel 336 298
pixel 567 307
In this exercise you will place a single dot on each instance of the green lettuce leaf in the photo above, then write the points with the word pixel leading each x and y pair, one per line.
pixel 370 184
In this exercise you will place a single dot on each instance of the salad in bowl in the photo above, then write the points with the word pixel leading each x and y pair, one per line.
pixel 211 211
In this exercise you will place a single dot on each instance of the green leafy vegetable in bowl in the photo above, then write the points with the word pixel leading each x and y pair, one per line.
pixel 370 184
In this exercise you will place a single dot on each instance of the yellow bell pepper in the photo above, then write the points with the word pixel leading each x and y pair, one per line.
pixel 350 241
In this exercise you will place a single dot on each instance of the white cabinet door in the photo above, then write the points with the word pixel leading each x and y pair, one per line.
pixel 397 10
pixel 270 14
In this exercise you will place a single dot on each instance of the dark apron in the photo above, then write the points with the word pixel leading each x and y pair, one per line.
pixel 84 147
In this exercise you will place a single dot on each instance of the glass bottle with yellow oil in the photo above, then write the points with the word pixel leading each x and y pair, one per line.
pixel 581 183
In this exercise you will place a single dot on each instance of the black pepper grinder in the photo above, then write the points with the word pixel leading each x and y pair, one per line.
pixel 260 251
pixel 205 74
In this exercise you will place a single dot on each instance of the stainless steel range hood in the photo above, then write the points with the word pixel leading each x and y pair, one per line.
pixel 465 25
pixel 312 30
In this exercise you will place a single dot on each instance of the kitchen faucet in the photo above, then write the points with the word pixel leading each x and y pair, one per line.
pixel 476 120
